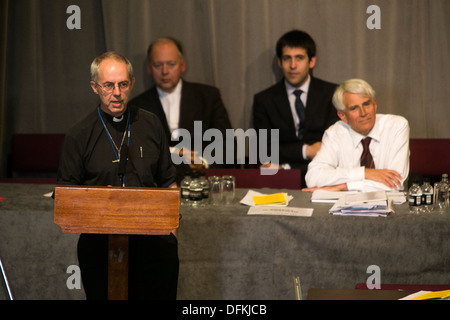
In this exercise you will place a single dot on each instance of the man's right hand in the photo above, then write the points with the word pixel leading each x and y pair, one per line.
pixel 389 178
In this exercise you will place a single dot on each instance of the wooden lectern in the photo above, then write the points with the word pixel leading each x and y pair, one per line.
pixel 118 212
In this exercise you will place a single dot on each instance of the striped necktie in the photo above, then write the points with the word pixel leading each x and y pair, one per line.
pixel 366 156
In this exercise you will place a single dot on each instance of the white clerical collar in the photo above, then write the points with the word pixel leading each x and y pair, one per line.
pixel 118 119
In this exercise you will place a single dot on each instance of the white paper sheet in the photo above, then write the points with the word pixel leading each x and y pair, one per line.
pixel 325 196
pixel 365 197
pixel 414 295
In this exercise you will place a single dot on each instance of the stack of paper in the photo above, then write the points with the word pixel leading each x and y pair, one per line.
pixel 370 204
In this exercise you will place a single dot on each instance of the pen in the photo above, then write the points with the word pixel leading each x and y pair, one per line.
pixel 298 291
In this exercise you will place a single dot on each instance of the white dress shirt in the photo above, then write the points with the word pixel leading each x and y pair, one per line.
pixel 290 93
pixel 291 96
pixel 338 160
pixel 171 105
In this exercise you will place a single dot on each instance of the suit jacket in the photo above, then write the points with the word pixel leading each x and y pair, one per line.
pixel 271 110
pixel 199 102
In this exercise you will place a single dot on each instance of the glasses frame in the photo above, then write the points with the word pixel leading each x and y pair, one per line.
pixel 114 85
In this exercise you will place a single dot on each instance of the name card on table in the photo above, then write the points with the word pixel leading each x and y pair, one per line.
pixel 281 211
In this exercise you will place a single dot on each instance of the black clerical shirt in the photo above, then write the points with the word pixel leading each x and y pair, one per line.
pixel 88 156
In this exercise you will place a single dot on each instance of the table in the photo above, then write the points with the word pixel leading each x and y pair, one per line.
pixel 227 254
pixel 352 294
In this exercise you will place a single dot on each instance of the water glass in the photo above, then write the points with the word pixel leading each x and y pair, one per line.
pixel 441 197
pixel 215 190
pixel 228 186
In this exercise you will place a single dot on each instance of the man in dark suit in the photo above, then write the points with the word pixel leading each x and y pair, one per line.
pixel 178 103
pixel 300 116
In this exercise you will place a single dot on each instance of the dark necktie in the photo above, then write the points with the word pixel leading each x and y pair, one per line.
pixel 300 108
pixel 366 156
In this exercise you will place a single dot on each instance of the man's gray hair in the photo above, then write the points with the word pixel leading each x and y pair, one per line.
pixel 109 55
pixel 356 86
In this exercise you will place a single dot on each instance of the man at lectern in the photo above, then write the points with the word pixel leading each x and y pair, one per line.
pixel 117 145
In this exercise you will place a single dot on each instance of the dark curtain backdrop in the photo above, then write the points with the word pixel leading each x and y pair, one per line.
pixel 229 44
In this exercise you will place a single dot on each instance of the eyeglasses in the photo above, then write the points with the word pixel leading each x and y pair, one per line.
pixel 109 87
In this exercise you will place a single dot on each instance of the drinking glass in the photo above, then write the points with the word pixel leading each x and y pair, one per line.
pixel 441 197
pixel 228 186
pixel 215 193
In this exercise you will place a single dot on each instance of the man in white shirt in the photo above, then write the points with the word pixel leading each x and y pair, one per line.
pixel 338 165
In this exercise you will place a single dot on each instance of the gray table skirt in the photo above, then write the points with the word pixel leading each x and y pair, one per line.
pixel 227 254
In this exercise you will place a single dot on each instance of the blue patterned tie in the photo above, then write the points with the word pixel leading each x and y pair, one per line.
pixel 300 108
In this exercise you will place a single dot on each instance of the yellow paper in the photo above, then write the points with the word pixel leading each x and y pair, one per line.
pixel 433 295
pixel 269 199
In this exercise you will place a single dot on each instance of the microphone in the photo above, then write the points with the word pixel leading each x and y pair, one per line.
pixel 123 162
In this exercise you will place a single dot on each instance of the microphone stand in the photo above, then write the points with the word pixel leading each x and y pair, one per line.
pixel 123 163
pixel 6 281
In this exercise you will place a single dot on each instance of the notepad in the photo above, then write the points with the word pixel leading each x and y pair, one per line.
pixel 276 198
pixel 248 199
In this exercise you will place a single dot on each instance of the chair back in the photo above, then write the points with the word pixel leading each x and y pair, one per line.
pixel 429 157
pixel 36 153
pixel 34 158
